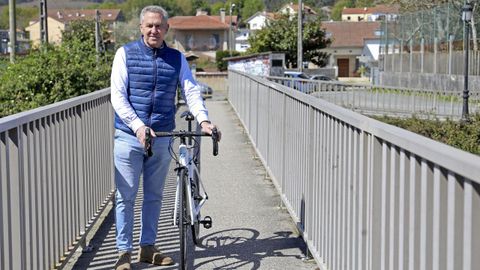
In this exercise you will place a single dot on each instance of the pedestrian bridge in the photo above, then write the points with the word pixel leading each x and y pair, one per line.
pixel 360 193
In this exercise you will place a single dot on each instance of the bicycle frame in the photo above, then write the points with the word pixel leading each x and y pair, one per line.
pixel 185 160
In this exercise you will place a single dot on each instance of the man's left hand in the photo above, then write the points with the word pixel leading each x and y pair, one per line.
pixel 208 127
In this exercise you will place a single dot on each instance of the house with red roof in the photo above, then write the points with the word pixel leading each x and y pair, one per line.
pixel 202 33
pixel 370 14
pixel 354 44
pixel 58 19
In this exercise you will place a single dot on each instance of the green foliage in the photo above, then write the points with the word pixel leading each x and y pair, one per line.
pixel 222 65
pixel 215 8
pixel 109 4
pixel 250 7
pixel 24 16
pixel 54 73
pixel 281 36
pixel 338 7
pixel 465 136
pixel 132 8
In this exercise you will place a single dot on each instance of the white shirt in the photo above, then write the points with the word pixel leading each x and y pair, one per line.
pixel 123 108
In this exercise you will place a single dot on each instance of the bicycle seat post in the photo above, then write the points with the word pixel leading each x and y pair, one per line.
pixel 190 118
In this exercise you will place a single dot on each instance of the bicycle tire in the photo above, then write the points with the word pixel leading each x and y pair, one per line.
pixel 183 220
pixel 196 195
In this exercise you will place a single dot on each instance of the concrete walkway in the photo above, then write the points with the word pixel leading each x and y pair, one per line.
pixel 250 230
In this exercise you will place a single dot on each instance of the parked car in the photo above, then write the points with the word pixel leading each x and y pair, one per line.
pixel 320 77
pixel 206 90
pixel 296 75
pixel 300 82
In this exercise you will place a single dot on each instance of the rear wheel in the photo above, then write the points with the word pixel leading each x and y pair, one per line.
pixel 196 202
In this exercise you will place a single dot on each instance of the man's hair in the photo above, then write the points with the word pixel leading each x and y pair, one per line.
pixel 154 9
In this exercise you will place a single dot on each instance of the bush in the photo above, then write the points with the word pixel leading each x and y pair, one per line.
pixel 221 64
pixel 54 73
pixel 465 136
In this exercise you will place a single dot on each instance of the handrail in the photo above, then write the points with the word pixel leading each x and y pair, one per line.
pixel 364 194
pixel 56 176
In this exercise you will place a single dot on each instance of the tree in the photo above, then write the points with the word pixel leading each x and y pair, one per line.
pixel 250 7
pixel 24 16
pixel 57 73
pixel 281 36
pixel 338 8
pixel 132 8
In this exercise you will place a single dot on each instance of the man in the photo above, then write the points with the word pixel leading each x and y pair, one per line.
pixel 145 75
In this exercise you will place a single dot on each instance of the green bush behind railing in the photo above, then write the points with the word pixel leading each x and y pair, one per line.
pixel 54 73
pixel 459 134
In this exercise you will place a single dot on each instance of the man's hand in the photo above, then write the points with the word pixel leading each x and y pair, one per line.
pixel 208 127
pixel 141 134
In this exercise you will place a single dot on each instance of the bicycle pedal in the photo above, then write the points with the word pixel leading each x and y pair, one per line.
pixel 206 222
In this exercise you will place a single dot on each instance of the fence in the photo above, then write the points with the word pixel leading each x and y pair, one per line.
pixel 366 195
pixel 56 175
pixel 384 100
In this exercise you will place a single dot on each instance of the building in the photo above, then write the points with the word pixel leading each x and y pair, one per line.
pixel 292 9
pixel 58 20
pixel 354 44
pixel 370 14
pixel 259 20
pixel 202 33
pixel 241 40
pixel 23 44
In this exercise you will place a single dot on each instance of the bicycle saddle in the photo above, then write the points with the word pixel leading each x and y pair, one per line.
pixel 187 115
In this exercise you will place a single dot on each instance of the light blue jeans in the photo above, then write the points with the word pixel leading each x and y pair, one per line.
pixel 130 161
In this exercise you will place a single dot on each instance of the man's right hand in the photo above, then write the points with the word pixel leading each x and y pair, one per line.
pixel 141 134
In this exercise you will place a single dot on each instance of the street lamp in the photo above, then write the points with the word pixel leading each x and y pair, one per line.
pixel 466 18
pixel 230 45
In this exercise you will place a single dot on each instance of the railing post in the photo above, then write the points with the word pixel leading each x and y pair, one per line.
pixel 450 53
pixel 411 56
pixel 435 55
pixel 422 55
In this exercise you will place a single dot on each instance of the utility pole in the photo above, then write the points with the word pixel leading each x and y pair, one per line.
pixel 13 29
pixel 299 37
pixel 43 22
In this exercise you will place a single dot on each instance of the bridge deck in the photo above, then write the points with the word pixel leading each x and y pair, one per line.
pixel 250 230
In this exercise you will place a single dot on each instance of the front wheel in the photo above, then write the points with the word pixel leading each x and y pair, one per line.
pixel 183 219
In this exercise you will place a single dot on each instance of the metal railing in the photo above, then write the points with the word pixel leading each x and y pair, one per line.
pixel 365 195
pixel 56 175
pixel 383 100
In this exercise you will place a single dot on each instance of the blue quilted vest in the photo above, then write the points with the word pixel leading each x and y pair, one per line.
pixel 153 76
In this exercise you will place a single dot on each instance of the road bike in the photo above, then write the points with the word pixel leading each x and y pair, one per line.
pixel 190 194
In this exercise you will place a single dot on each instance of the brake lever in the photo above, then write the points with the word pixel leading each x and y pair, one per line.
pixel 148 143
pixel 215 141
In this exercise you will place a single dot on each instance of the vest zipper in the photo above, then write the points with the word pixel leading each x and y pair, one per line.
pixel 154 83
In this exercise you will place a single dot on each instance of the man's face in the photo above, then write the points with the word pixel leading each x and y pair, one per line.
pixel 153 29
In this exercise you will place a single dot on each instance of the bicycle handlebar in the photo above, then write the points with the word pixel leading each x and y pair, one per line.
pixel 180 134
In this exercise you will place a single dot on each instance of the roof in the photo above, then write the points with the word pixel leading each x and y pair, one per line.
pixel 66 15
pixel 350 34
pixel 200 22
pixel 372 10
pixel 268 15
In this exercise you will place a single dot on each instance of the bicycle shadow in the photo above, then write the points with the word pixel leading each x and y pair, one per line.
pixel 242 248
